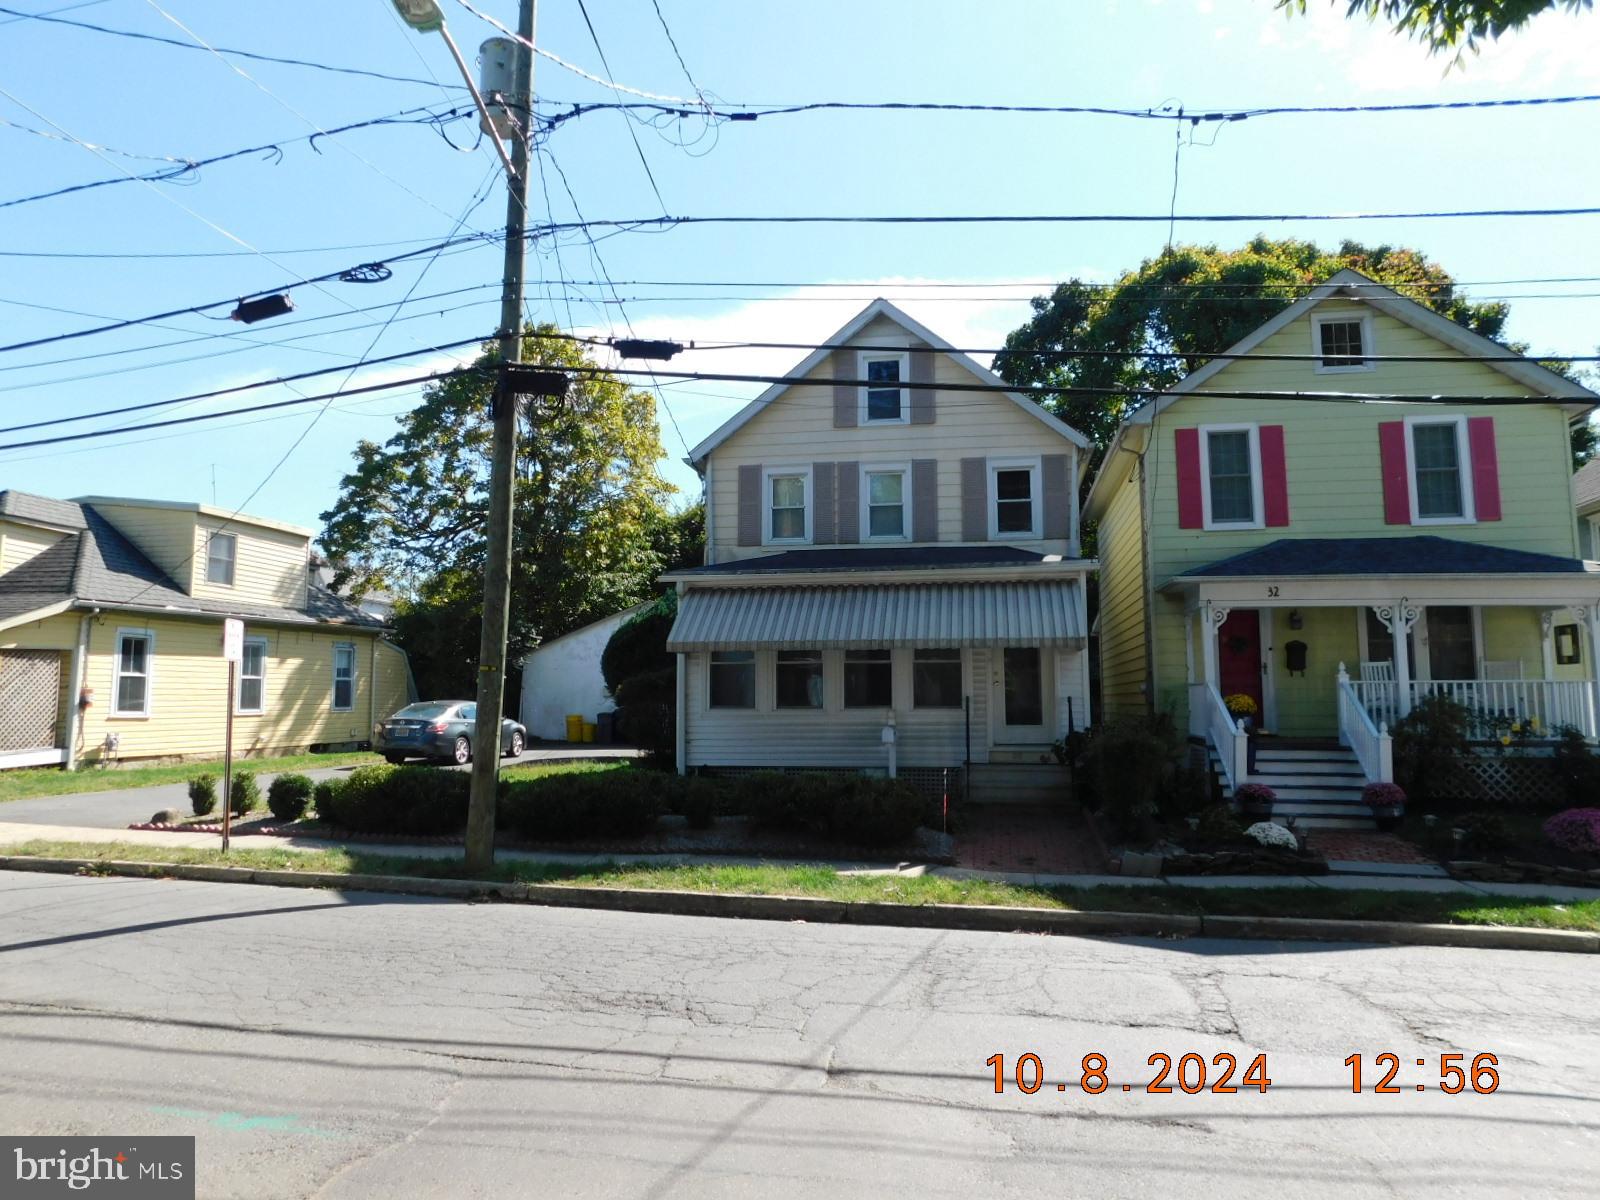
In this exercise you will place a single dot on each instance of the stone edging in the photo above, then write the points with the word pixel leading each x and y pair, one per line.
pixel 985 918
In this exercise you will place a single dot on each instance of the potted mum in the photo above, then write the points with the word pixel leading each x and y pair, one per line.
pixel 1387 802
pixel 1255 802
pixel 1242 708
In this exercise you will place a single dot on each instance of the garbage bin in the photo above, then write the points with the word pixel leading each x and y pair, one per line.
pixel 574 727
pixel 588 731
pixel 606 724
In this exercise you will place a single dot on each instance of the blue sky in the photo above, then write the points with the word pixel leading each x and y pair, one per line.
pixel 402 186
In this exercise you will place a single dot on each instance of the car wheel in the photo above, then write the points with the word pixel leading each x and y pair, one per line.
pixel 515 749
pixel 394 760
pixel 462 752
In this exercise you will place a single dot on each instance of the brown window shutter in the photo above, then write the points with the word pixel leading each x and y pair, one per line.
pixel 847 489
pixel 924 499
pixel 1056 485
pixel 750 505
pixel 846 395
pixel 974 499
pixel 922 398
pixel 822 518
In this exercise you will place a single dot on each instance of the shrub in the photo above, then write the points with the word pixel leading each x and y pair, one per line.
pixel 1187 793
pixel 1484 833
pixel 203 794
pixel 646 713
pixel 1129 763
pixel 1219 825
pixel 1381 795
pixel 572 804
pixel 422 800
pixel 245 793
pixel 869 811
pixel 1269 834
pixel 794 801
pixel 288 796
pixel 1430 751
pixel 1577 767
pixel 702 798
pixel 1576 830
pixel 325 799
pixel 639 645
pixel 358 803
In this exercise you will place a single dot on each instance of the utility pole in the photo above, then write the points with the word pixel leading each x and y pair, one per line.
pixel 502 477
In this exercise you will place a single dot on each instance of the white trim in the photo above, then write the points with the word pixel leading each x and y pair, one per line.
pixel 1469 515
pixel 333 691
pixel 1594 537
pixel 768 474
pixel 238 695
pixel 213 537
pixel 117 712
pixel 1257 499
pixel 903 359
pixel 902 469
pixel 878 308
pixel 205 510
pixel 1035 484
pixel 1342 316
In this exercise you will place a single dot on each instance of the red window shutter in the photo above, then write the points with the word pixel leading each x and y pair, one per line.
pixel 1396 488
pixel 1485 468
pixel 1191 506
pixel 1274 476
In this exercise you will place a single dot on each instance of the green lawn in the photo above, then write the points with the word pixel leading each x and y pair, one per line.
pixel 52 781
pixel 825 883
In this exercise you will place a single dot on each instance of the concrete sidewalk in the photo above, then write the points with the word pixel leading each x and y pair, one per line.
pixel 15 833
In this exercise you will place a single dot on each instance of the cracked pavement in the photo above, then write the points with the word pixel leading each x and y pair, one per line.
pixel 345 1045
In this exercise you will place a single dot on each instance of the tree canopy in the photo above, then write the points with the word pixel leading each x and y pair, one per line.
pixel 591 522
pixel 1165 318
pixel 1450 24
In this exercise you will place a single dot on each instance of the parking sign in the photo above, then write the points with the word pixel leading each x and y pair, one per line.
pixel 233 640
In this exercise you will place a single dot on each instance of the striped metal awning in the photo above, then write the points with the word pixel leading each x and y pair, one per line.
pixel 929 615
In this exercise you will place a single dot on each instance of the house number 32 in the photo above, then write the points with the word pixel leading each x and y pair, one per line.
pixel 1272 593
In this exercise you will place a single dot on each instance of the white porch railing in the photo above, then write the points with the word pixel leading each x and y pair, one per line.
pixel 1209 717
pixel 1495 704
pixel 1368 740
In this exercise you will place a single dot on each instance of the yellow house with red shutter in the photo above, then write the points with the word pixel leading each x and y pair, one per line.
pixel 1360 504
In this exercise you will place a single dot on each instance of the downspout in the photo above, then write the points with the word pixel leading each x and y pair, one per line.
pixel 80 654
pixel 372 693
pixel 682 706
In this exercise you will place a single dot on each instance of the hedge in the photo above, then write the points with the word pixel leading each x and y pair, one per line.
pixel 289 796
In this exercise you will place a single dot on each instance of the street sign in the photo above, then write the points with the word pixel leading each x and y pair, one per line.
pixel 233 640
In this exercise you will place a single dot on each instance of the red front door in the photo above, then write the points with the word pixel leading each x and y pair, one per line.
pixel 1239 655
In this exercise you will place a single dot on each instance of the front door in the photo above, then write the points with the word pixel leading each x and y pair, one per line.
pixel 1239 658
pixel 1021 696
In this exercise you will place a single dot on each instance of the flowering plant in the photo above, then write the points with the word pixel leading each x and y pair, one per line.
pixel 1240 705
pixel 1383 795
pixel 1268 834
pixel 1577 829
pixel 1255 793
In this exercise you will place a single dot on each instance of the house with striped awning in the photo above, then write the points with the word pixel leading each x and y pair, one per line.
pixel 892 577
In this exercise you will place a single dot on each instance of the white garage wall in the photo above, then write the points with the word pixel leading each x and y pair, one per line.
pixel 563 676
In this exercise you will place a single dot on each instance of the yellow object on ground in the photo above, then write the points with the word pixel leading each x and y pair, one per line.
pixel 574 727
pixel 589 731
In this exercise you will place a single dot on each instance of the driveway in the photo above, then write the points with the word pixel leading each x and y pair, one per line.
pixel 119 809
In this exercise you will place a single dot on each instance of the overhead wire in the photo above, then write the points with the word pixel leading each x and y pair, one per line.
pixel 634 137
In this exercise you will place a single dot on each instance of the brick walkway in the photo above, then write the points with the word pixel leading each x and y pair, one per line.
pixel 1003 837
pixel 1355 845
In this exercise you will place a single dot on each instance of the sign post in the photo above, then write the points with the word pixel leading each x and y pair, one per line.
pixel 233 652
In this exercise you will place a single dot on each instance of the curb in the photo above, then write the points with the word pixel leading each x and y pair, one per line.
pixel 978 918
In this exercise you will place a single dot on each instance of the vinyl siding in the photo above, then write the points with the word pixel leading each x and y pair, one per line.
pixel 189 686
pixel 1122 604
pixel 797 429
pixel 166 535
pixel 270 565
pixel 19 543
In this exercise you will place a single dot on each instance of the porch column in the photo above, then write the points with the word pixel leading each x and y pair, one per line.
pixel 1188 644
pixel 1400 617
pixel 1591 615
pixel 1215 615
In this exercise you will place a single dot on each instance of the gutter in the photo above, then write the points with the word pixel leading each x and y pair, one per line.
pixel 834 576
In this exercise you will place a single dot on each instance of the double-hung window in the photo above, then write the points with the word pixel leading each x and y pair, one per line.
pixel 1014 509
pixel 132 695
pixel 1231 474
pixel 868 679
pixel 1343 342
pixel 799 679
pixel 885 498
pixel 344 677
pixel 733 679
pixel 252 676
pixel 1438 457
pixel 936 678
pixel 883 396
pixel 788 510
pixel 221 549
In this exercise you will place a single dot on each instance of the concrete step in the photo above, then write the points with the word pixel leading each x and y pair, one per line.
pixel 1268 766
pixel 1319 808
pixel 1019 783
pixel 1039 755
pixel 1279 754
pixel 1364 823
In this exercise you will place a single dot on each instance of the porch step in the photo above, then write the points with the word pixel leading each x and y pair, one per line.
pixel 1337 768
pixel 1030 755
pixel 1316 786
pixel 1019 783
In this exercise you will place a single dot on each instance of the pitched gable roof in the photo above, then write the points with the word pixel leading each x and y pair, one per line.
pixel 40 510
pixel 1586 486
pixel 878 308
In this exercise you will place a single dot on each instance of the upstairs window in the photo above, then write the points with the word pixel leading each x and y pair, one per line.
pixel 883 399
pixel 220 551
pixel 886 504
pixel 1343 343
pixel 1438 454
pixel 1230 477
pixel 788 518
pixel 1015 508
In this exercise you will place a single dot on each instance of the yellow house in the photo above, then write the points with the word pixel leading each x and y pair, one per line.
pixel 111 615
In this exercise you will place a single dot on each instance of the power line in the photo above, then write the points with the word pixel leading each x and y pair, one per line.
pixel 98 255
pixel 181 45
pixel 634 137
pixel 677 53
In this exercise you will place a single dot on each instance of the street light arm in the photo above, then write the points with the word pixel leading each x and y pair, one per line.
pixel 477 98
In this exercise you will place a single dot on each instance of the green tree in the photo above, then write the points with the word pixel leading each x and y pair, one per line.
pixel 591 507
pixel 1450 24
pixel 1162 320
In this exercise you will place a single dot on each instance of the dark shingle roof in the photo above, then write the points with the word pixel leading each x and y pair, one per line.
pixel 873 558
pixel 1425 555
pixel 1586 485
pixel 25 506
pixel 100 566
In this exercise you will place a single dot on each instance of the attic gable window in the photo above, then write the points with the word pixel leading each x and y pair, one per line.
pixel 221 549
pixel 883 398
pixel 1343 342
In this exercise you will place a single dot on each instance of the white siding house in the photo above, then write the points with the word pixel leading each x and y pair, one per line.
pixel 891 542
pixel 563 676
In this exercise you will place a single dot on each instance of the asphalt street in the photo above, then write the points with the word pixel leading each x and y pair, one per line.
pixel 354 1045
